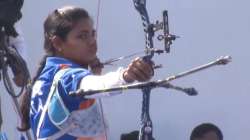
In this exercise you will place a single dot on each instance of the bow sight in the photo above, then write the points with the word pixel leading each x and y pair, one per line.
pixel 167 37
pixel 151 28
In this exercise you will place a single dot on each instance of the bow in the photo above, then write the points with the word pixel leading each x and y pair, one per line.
pixel 146 129
pixel 150 29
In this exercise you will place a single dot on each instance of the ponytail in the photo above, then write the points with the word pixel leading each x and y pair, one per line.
pixel 26 99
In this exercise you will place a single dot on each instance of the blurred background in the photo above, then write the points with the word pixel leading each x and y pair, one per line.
pixel 208 29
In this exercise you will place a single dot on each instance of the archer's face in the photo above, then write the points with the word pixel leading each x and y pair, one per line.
pixel 80 45
pixel 209 136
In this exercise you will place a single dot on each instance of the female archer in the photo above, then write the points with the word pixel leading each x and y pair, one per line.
pixel 71 64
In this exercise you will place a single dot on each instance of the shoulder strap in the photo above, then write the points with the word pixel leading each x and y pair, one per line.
pixel 56 79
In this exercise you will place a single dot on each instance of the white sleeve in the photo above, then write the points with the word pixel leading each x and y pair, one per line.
pixel 18 42
pixel 95 82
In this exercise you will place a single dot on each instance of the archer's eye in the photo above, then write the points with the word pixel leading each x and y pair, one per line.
pixel 94 33
pixel 87 35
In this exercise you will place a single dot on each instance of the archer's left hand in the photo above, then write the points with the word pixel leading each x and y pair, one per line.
pixel 139 70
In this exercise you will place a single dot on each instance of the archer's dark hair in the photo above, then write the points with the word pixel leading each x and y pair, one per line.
pixel 204 128
pixel 58 23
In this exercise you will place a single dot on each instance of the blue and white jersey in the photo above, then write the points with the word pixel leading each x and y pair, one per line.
pixel 56 115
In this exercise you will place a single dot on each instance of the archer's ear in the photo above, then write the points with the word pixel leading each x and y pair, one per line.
pixel 56 43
